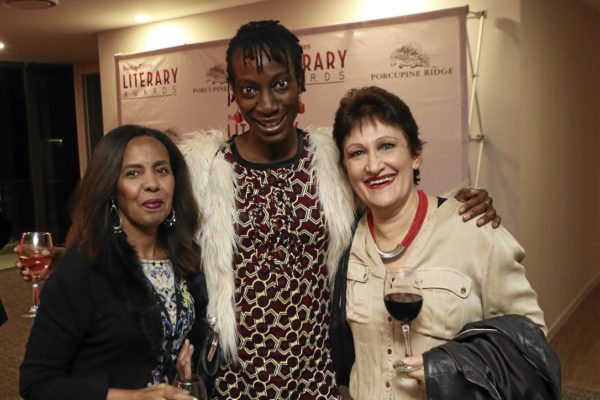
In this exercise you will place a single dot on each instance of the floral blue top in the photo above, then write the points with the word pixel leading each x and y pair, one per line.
pixel 177 312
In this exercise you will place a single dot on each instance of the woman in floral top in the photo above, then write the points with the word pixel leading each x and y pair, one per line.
pixel 120 303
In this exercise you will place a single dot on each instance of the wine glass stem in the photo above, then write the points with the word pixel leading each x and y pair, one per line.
pixel 36 292
pixel 407 349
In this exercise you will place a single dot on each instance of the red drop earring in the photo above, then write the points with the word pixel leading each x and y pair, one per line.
pixel 301 108
pixel 237 117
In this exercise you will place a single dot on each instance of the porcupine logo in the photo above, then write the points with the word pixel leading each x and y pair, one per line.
pixel 409 55
pixel 216 75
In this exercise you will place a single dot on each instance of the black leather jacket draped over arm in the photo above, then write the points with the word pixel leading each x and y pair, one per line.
pixel 501 358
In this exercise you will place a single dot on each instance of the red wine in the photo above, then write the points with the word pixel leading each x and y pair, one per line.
pixel 403 306
pixel 36 262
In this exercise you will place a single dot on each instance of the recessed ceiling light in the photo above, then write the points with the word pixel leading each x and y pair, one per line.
pixel 141 18
pixel 31 4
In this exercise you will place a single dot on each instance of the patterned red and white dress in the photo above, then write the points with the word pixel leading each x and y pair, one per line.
pixel 282 284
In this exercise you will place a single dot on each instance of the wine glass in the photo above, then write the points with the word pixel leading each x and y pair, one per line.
pixel 403 298
pixel 194 385
pixel 34 253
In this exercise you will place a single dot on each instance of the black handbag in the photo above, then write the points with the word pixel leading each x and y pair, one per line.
pixel 208 355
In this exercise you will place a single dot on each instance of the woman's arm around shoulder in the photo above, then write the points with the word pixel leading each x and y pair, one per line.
pixel 477 203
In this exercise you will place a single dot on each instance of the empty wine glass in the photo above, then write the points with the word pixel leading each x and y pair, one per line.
pixel 403 298
pixel 194 385
pixel 34 253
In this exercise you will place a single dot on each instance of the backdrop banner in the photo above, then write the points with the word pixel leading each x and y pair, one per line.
pixel 421 58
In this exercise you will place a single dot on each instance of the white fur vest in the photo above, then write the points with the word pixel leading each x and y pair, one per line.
pixel 214 187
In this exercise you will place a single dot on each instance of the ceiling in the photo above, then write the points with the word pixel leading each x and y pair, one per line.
pixel 67 33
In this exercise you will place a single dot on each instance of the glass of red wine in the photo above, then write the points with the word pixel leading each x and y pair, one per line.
pixel 34 254
pixel 403 298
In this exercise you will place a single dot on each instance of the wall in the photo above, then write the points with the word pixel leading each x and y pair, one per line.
pixel 559 152
pixel 515 109
pixel 499 72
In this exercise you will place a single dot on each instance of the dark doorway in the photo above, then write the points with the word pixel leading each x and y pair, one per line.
pixel 38 147
pixel 93 110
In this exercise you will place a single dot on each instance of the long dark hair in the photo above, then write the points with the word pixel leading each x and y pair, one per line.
pixel 91 216
pixel 92 232
pixel 269 39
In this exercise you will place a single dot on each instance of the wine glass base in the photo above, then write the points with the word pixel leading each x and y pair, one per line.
pixel 31 313
pixel 193 385
pixel 402 368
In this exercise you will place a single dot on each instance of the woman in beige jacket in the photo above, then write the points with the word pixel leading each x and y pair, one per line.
pixel 467 273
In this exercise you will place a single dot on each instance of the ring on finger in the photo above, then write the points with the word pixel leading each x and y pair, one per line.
pixel 487 205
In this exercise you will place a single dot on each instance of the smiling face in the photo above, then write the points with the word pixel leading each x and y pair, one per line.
pixel 268 100
pixel 145 186
pixel 380 166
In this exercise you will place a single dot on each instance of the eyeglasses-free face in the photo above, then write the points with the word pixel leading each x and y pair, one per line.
pixel 145 186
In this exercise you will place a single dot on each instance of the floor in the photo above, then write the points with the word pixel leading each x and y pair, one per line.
pixel 577 344
pixel 8 256
pixel 16 297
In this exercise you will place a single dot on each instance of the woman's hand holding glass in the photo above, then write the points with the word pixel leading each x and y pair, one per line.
pixel 157 392
pixel 194 385
pixel 416 362
pixel 186 386
pixel 34 254
pixel 184 360
pixel 56 254
pixel 186 379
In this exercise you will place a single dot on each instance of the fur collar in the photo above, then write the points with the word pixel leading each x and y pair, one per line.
pixel 118 261
pixel 214 186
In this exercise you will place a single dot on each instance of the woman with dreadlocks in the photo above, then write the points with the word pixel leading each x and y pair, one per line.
pixel 276 216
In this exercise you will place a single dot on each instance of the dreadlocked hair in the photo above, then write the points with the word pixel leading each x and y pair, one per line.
pixel 270 39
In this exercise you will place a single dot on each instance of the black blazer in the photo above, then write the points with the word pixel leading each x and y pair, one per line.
pixel 83 341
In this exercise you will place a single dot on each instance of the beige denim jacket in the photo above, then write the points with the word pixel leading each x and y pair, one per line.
pixel 467 273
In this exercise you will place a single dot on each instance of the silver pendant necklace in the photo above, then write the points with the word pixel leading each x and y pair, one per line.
pixel 400 249
pixel 387 256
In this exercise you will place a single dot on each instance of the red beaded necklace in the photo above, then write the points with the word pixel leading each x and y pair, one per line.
pixel 387 256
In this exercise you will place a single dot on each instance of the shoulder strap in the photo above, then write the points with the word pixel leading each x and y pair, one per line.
pixel 342 345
